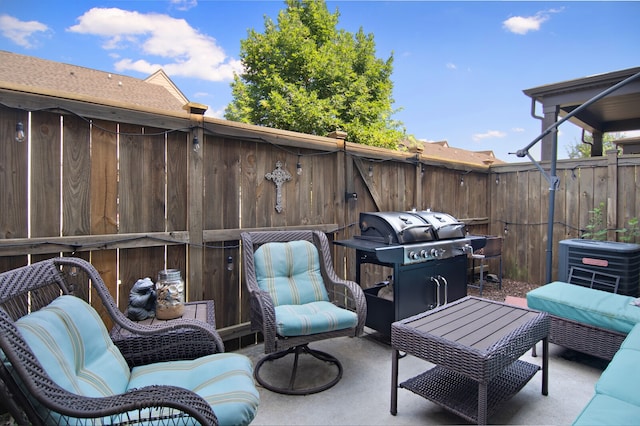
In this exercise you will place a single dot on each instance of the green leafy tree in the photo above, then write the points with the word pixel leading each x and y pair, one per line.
pixel 303 74
pixel 583 149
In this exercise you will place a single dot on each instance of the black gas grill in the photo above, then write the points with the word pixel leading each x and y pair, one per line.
pixel 428 254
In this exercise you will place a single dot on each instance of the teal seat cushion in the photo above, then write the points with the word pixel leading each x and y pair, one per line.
pixel 211 377
pixel 312 318
pixel 290 272
pixel 632 341
pixel 581 304
pixel 605 410
pixel 73 346
pixel 620 379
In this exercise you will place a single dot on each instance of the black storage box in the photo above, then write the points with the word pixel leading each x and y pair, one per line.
pixel 380 311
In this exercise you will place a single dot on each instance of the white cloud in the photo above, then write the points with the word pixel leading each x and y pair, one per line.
pixel 184 4
pixel 184 51
pixel 517 130
pixel 524 24
pixel 491 134
pixel 451 66
pixel 21 32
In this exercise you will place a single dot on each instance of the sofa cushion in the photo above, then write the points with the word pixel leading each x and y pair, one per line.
pixel 632 341
pixel 620 378
pixel 605 410
pixel 211 377
pixel 312 318
pixel 290 272
pixel 585 305
pixel 73 346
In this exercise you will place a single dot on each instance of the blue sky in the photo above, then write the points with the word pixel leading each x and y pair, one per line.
pixel 459 67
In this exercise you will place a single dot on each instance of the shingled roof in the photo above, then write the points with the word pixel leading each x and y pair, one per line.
pixel 442 151
pixel 48 77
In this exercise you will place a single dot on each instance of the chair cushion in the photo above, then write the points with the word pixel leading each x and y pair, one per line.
pixel 585 305
pixel 211 377
pixel 312 318
pixel 73 346
pixel 290 272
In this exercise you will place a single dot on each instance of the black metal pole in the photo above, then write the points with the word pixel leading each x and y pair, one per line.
pixel 553 185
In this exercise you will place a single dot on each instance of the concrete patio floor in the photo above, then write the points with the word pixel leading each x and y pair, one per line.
pixel 362 397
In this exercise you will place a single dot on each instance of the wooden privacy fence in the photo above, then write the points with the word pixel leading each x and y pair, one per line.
pixel 126 190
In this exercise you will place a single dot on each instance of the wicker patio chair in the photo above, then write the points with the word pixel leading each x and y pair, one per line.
pixel 293 291
pixel 37 299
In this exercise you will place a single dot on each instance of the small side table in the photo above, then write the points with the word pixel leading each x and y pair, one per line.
pixel 475 344
pixel 202 311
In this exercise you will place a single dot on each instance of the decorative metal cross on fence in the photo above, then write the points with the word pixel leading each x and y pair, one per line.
pixel 278 176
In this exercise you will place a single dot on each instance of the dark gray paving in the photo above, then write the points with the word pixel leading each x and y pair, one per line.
pixel 362 397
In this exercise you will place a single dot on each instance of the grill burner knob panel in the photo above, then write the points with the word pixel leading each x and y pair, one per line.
pixel 437 252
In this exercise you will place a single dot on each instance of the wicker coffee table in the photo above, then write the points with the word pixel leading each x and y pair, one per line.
pixel 475 344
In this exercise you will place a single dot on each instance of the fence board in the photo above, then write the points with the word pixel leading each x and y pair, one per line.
pixel 76 166
pixel 178 144
pixel 45 174
pixel 104 178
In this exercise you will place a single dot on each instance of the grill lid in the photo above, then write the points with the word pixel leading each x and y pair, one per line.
pixel 444 225
pixel 409 227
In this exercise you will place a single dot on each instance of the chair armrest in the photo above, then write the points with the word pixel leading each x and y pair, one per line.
pixel 263 317
pixel 174 340
pixel 348 295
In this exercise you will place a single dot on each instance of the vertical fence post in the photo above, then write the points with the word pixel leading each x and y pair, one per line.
pixel 195 196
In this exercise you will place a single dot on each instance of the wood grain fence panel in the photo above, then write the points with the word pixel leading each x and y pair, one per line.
pixel 250 190
pixel 519 231
pixel 214 206
pixel 214 202
pixel 229 280
pixel 536 227
pixel 571 183
pixel 155 177
pixel 290 201
pixel 587 199
pixel 104 178
pixel 45 174
pixel 309 192
pixel 178 144
pixel 76 175
pixel 132 189
pixel 105 262
pixel 628 188
pixel 322 180
pixel 103 201
pixel 13 179
pixel 138 263
pixel 142 178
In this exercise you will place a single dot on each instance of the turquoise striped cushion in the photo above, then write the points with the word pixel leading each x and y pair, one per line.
pixel 72 344
pixel 211 377
pixel 312 318
pixel 290 272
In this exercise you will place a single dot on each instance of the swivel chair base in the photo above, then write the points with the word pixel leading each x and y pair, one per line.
pixel 290 389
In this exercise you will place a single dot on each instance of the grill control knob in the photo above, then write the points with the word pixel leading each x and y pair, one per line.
pixel 437 252
pixel 413 255
pixel 424 254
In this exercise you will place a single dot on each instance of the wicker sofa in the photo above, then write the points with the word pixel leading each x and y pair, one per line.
pixel 603 324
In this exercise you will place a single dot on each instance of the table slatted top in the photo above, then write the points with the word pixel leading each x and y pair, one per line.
pixel 472 322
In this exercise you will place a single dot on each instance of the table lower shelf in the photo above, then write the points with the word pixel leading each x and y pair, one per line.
pixel 459 394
